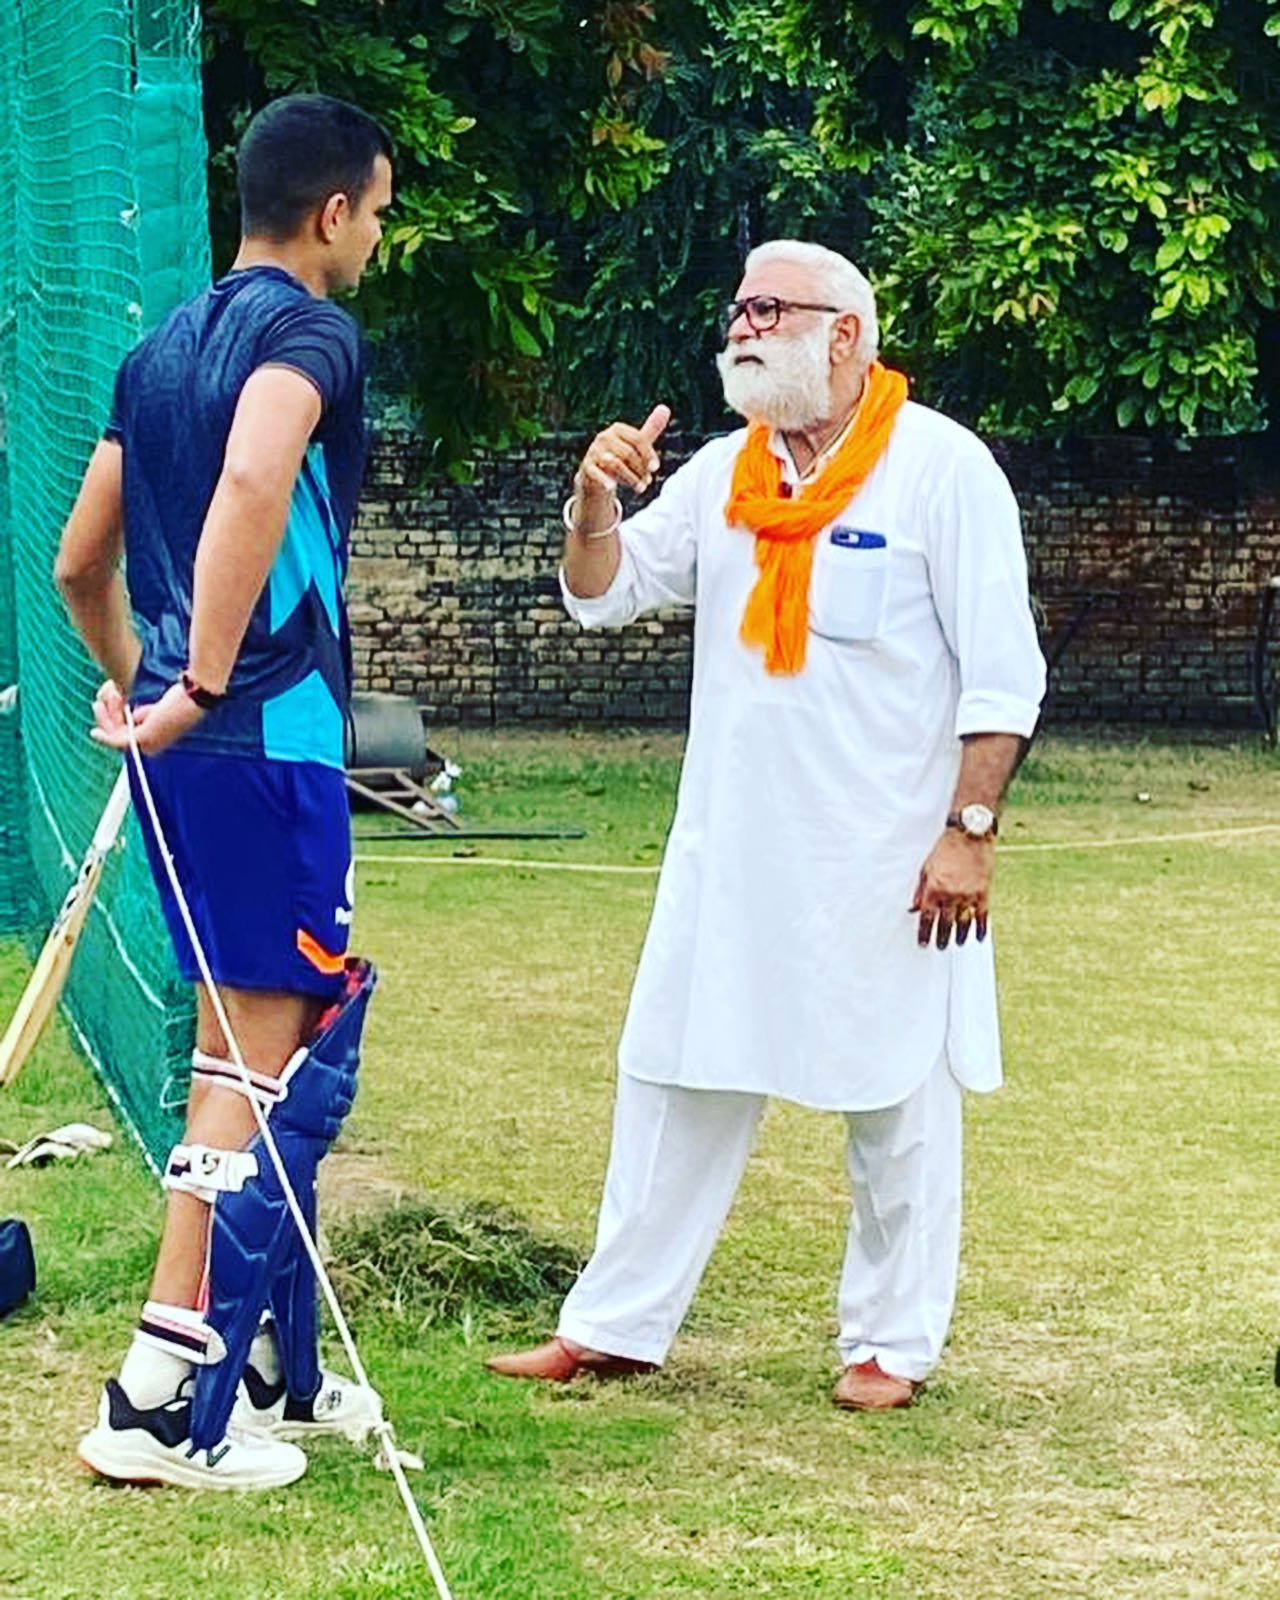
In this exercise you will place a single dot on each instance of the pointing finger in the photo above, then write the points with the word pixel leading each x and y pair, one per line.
pixel 655 422
pixel 636 446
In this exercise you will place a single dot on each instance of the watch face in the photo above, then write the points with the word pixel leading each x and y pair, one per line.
pixel 977 819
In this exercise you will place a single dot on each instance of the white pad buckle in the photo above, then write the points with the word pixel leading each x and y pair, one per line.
pixel 201 1170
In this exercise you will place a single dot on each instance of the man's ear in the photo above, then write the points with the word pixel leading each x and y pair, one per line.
pixel 330 216
pixel 845 336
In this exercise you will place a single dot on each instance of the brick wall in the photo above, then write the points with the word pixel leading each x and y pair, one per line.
pixel 1156 553
pixel 455 600
pixel 1174 544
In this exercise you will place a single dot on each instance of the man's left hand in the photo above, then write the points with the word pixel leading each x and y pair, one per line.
pixel 954 886
pixel 158 724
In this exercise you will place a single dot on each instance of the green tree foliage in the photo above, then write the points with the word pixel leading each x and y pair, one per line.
pixel 1068 206
pixel 1074 202
pixel 649 280
pixel 577 181
pixel 513 128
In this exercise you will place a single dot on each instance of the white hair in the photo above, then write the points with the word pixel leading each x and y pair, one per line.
pixel 839 281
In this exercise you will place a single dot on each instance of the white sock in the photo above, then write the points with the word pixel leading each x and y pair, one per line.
pixel 150 1376
pixel 160 1356
pixel 264 1357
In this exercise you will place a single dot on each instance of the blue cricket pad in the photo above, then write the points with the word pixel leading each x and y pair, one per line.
pixel 256 1256
pixel 17 1265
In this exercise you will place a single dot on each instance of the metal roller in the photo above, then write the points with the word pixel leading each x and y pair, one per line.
pixel 386 731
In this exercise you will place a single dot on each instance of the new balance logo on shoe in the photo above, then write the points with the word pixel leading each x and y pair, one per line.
pixel 339 1406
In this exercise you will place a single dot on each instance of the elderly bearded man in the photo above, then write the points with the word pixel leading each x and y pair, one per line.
pixel 865 675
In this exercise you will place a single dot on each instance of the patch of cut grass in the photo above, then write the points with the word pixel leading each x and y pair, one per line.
pixel 476 1262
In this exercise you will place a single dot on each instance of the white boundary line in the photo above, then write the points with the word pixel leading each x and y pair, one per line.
pixel 508 861
pixel 1145 838
pixel 1058 845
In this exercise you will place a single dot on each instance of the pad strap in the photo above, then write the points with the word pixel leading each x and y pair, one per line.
pixel 293 1065
pixel 177 1330
pixel 201 1170
pixel 266 1090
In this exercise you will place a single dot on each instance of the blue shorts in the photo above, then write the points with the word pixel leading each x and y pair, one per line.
pixel 263 853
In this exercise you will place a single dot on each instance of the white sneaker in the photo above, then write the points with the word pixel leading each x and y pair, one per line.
pixel 340 1406
pixel 130 1445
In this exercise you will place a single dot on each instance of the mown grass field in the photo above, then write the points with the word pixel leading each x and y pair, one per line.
pixel 1105 1422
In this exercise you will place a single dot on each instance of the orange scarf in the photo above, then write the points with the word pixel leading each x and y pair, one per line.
pixel 786 530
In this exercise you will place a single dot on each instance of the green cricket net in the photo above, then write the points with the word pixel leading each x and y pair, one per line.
pixel 103 228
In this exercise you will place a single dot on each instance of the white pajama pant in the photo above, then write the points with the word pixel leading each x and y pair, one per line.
pixel 677 1158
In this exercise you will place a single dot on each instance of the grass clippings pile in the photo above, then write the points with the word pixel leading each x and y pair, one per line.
pixel 469 1263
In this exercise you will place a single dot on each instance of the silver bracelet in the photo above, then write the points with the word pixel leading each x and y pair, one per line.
pixel 604 533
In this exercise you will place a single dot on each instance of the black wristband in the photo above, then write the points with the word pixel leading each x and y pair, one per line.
pixel 206 699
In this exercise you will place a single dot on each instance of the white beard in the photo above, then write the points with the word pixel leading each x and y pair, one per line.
pixel 788 385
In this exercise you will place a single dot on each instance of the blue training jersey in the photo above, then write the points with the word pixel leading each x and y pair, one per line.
pixel 175 398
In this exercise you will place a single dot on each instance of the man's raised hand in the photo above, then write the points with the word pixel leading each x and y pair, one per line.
pixel 621 453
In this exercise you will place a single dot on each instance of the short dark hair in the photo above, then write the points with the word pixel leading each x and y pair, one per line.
pixel 298 151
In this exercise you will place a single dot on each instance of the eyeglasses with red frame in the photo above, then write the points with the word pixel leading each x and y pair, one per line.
pixel 764 311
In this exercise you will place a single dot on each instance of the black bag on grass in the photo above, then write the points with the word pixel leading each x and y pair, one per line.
pixel 17 1265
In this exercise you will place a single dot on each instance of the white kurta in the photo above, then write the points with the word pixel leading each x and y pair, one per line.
pixel 781 957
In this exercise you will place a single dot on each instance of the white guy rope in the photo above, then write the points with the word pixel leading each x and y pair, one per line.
pixel 382 1428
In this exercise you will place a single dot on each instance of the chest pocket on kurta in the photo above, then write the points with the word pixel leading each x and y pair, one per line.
pixel 849 587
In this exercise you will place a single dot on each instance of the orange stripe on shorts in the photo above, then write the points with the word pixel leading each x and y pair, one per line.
pixel 318 956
